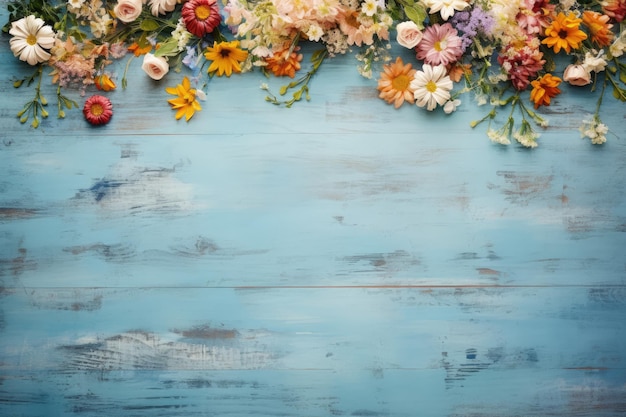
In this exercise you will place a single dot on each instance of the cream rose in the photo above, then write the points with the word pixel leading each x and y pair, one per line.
pixel 576 75
pixel 155 66
pixel 409 34
pixel 128 10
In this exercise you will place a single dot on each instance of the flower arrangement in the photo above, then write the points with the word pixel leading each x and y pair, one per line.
pixel 504 53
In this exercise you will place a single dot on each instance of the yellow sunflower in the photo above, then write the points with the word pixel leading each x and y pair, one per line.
pixel 185 103
pixel 226 57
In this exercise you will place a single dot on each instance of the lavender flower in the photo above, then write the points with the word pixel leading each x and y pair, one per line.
pixel 471 24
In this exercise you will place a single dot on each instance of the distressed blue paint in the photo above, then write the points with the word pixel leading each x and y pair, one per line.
pixel 336 258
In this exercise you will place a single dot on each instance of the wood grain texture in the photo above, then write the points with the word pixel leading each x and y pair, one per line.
pixel 337 258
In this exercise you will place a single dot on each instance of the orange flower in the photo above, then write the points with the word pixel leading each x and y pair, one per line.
pixel 564 33
pixel 104 82
pixel 544 89
pixel 139 50
pixel 457 70
pixel 599 27
pixel 284 62
pixel 395 83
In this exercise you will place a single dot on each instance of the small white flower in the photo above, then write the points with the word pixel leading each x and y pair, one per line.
pixel 201 95
pixel 451 106
pixel 75 4
pixel 314 33
pixel 594 62
pixel 31 38
pixel 431 86
pixel 498 137
pixel 369 7
pixel 594 130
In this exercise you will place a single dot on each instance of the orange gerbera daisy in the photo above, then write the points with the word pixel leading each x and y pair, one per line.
pixel 185 103
pixel 564 33
pixel 599 27
pixel 544 88
pixel 395 83
pixel 284 62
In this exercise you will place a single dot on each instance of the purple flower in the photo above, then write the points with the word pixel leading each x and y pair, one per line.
pixel 471 24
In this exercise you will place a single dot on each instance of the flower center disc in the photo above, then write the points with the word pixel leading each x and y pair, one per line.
pixel 202 12
pixel 400 83
pixel 431 86
pixel 97 110
pixel 563 34
pixel 440 46
pixel 31 39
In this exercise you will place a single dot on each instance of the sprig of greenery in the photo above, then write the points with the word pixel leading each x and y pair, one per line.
pixel 317 59
pixel 35 107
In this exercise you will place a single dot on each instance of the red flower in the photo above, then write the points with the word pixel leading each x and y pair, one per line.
pixel 98 110
pixel 201 16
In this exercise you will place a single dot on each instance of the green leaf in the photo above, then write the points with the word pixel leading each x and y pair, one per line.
pixel 417 13
pixel 148 25
pixel 283 90
pixel 622 76
pixel 169 48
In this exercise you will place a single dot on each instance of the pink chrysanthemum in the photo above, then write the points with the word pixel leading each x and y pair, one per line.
pixel 616 9
pixel 98 110
pixel 440 45
pixel 534 15
pixel 521 64
pixel 201 16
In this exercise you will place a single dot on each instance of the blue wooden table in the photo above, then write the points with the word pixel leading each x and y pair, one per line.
pixel 336 258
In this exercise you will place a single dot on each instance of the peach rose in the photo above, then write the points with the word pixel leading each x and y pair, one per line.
pixel 155 66
pixel 576 75
pixel 409 34
pixel 128 10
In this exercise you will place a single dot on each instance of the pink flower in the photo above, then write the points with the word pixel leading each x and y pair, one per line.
pixel 409 34
pixel 98 110
pixel 155 66
pixel 576 75
pixel 521 64
pixel 128 10
pixel 440 45
pixel 201 16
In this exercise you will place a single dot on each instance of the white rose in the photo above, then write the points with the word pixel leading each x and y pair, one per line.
pixel 155 66
pixel 576 75
pixel 409 34
pixel 158 7
pixel 128 10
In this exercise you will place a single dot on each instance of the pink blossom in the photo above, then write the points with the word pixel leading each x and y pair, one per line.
pixel 440 45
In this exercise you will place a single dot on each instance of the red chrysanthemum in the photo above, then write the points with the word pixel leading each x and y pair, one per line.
pixel 98 110
pixel 201 16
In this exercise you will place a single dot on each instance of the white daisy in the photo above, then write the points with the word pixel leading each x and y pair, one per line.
pixel 31 38
pixel 431 86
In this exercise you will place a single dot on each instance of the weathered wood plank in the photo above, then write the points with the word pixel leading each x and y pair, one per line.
pixel 387 351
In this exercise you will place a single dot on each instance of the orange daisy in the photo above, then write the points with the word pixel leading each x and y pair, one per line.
pixel 564 33
pixel 395 83
pixel 544 88
pixel 284 62
pixel 599 27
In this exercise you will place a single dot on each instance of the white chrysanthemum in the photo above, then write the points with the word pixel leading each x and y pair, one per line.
pixel 431 86
pixel 159 7
pixel 31 38
pixel 446 8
